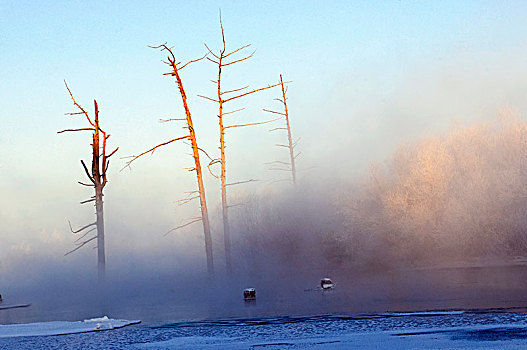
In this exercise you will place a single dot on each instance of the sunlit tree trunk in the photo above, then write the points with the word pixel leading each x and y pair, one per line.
pixel 199 175
pixel 224 205
pixel 176 68
pixel 220 60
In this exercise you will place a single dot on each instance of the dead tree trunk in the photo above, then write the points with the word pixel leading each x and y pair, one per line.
pixel 176 68
pixel 289 135
pixel 224 206
pixel 199 175
pixel 99 204
pixel 291 145
pixel 97 176
pixel 220 61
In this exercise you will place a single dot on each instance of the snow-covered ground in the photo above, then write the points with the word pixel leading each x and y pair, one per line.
pixel 470 329
pixel 415 330
pixel 449 338
pixel 61 327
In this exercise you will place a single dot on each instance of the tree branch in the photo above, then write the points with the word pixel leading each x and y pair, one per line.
pixel 212 162
pixel 250 92
pixel 202 150
pixel 153 149
pixel 210 59
pixel 88 201
pixel 170 120
pixel 78 105
pixel 240 125
pixel 87 172
pixel 240 60
pixel 82 228
pixel 208 98
pixel 278 162
pixel 186 200
pixel 233 52
pixel 236 205
pixel 80 129
pixel 279 169
pixel 282 180
pixel 85 234
pixel 229 91
pixel 296 142
pixel 192 61
pixel 111 154
pixel 81 245
pixel 267 110
pixel 181 226
pixel 241 182
pixel 231 112
pixel 212 53
pixel 164 47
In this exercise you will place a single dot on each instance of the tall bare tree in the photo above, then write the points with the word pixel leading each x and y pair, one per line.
pixel 176 68
pixel 291 145
pixel 223 59
pixel 98 179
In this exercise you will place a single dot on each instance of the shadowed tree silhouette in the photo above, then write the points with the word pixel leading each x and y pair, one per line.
pixel 291 145
pixel 98 179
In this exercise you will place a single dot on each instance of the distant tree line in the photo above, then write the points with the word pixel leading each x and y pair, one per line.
pixel 445 198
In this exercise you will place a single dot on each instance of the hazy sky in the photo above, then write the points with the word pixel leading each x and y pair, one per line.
pixel 365 76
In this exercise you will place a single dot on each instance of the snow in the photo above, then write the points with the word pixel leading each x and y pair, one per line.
pixel 412 330
pixel 439 338
pixel 62 327
pixel 424 313
pixel 14 306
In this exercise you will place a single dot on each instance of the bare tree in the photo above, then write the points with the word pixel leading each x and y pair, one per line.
pixel 291 145
pixel 456 195
pixel 176 67
pixel 223 59
pixel 98 179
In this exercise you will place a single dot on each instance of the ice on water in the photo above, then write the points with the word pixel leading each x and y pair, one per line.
pixel 62 327
pixel 451 329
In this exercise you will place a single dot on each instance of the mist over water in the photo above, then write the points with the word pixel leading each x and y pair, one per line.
pixel 411 196
pixel 285 239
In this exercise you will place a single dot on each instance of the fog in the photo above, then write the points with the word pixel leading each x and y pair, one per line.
pixel 348 218
pixel 438 225
pixel 410 190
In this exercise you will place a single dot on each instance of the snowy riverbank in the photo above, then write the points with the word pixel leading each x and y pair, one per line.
pixel 451 329
pixel 62 327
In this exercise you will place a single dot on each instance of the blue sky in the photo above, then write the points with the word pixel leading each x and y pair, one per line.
pixel 365 75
